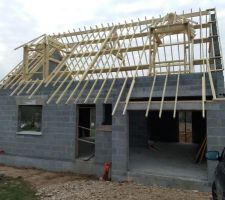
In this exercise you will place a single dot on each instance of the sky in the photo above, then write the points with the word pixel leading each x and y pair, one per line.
pixel 23 20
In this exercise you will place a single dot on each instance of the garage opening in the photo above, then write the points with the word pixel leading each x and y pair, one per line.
pixel 168 145
pixel 86 132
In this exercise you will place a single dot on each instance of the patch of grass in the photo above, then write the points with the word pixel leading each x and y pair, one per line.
pixel 15 189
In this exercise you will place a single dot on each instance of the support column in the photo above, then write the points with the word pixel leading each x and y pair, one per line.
pixel 25 61
pixel 217 76
pixel 103 141
pixel 46 61
pixel 120 144
pixel 215 135
pixel 216 42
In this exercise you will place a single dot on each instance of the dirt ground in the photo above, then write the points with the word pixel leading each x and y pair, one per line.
pixel 67 186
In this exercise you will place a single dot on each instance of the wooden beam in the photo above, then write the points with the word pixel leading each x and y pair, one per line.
pixel 15 90
pixel 25 61
pixel 163 94
pixel 91 65
pixel 25 85
pixel 150 96
pixel 31 41
pixel 20 78
pixel 121 37
pixel 176 95
pixel 11 74
pixel 134 77
pixel 60 66
pixel 141 67
pixel 97 76
pixel 203 96
pixel 31 87
pixel 119 97
pixel 56 91
pixel 110 69
pixel 72 80
pixel 131 49
pixel 118 70
pixel 36 89
pixel 46 60
pixel 128 96
pixel 211 80
pixel 144 22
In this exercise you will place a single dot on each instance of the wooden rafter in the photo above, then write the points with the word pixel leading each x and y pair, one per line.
pixel 171 44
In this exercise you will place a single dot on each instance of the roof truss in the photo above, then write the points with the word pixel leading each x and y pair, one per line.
pixel 173 44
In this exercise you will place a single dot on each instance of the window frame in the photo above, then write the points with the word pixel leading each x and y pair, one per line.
pixel 28 132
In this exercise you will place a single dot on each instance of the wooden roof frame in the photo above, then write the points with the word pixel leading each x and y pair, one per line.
pixel 127 50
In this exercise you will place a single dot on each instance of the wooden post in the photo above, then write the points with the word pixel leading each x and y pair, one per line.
pixel 163 94
pixel 25 61
pixel 203 96
pixel 176 95
pixel 119 97
pixel 36 89
pixel 150 96
pixel 46 60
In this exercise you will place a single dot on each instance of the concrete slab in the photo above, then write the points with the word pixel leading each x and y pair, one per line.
pixel 172 165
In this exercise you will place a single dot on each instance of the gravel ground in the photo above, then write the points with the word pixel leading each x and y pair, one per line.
pixel 67 186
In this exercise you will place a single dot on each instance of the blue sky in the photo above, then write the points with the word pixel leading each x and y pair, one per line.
pixel 23 20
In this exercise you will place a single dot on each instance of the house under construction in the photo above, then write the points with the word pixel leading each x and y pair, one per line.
pixel 147 95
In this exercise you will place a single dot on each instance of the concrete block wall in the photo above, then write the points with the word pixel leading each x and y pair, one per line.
pixel 218 76
pixel 120 145
pixel 215 133
pixel 114 93
pixel 8 124
pixel 190 85
pixel 216 41
pixel 103 139
pixel 218 80
pixel 59 129
pixel 57 141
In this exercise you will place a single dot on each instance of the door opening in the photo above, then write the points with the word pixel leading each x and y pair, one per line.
pixel 167 145
pixel 86 132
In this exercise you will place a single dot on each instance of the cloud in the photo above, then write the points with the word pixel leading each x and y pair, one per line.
pixel 54 15
pixel 14 31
